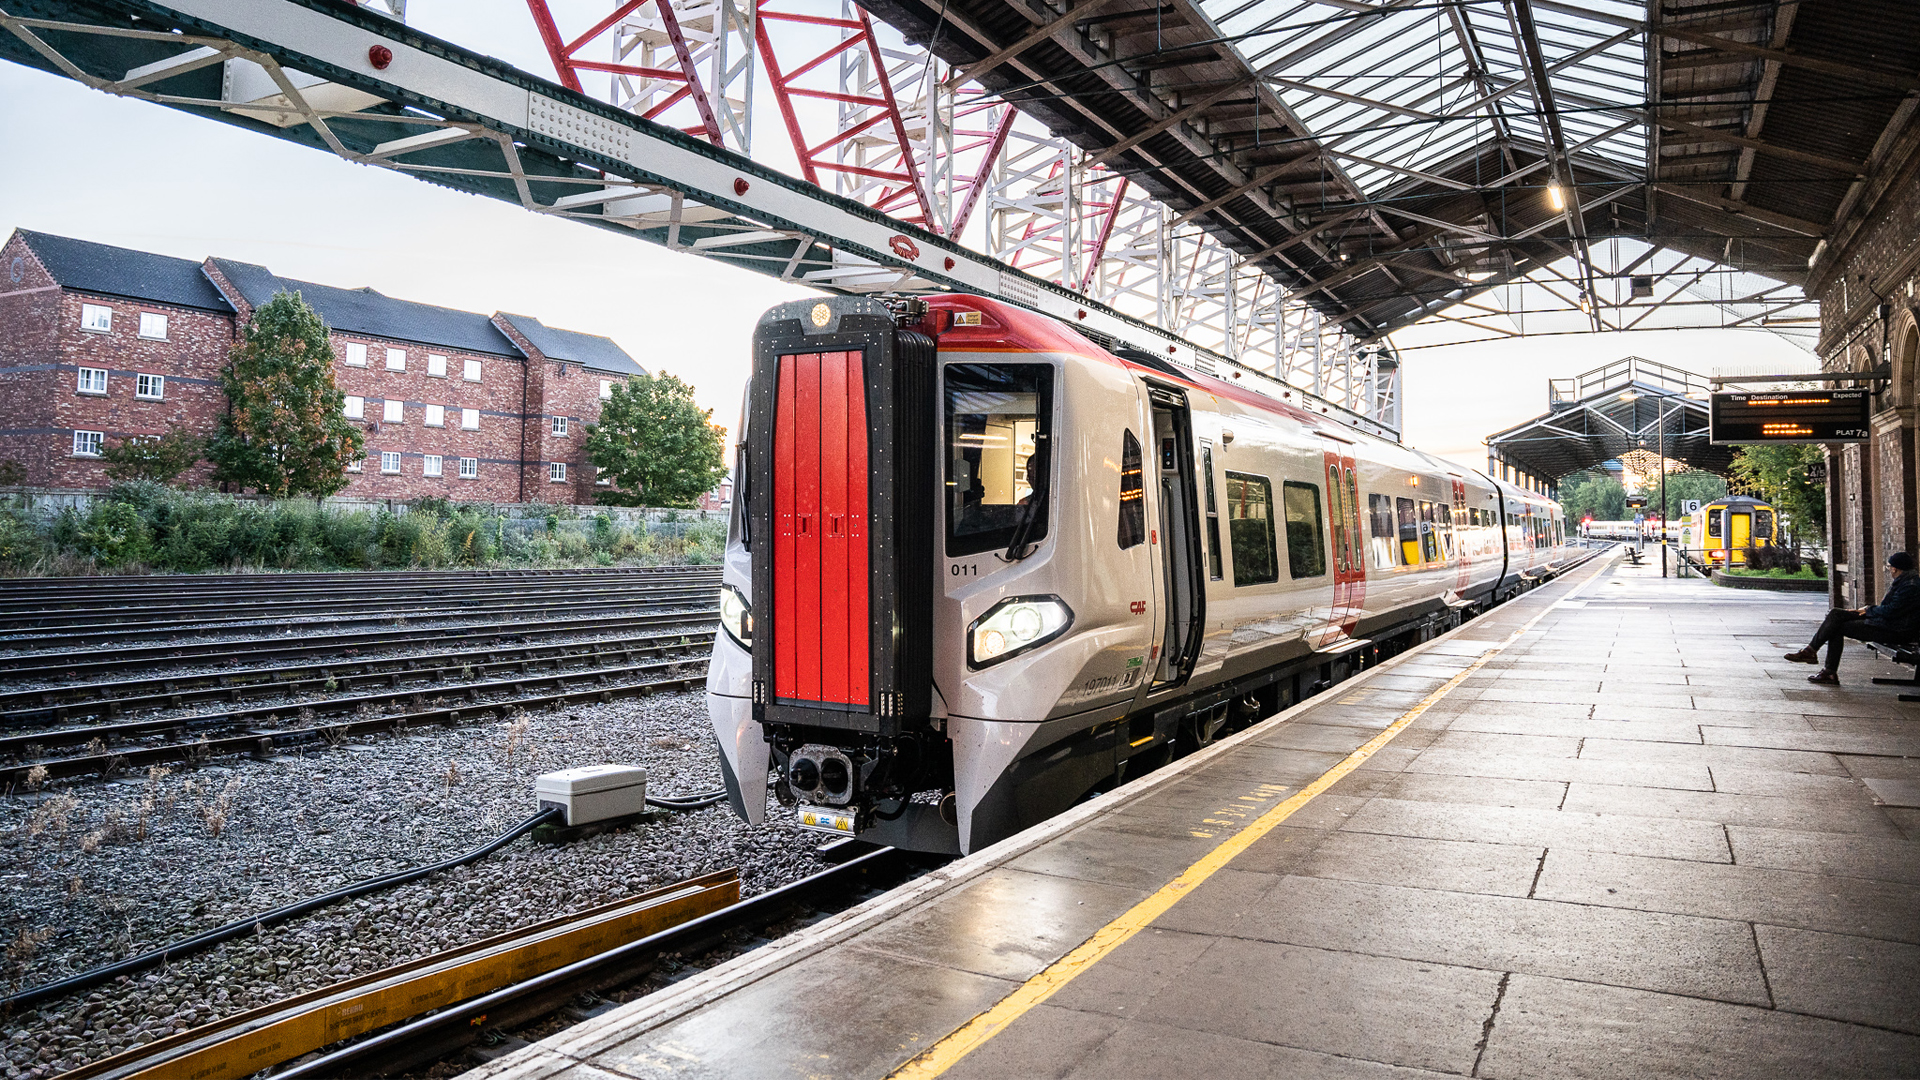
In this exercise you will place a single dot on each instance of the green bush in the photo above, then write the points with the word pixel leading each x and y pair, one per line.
pixel 140 524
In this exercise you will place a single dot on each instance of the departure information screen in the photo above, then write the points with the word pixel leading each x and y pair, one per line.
pixel 1790 416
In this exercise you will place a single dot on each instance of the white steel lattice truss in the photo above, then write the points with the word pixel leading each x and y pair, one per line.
pixel 871 118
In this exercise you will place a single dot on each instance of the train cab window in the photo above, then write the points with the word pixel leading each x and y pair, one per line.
pixel 1762 524
pixel 1214 569
pixel 999 422
pixel 1381 530
pixel 1250 528
pixel 1306 537
pixel 1133 505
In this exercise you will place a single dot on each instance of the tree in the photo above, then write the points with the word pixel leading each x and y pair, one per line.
pixel 1777 472
pixel 1687 484
pixel 656 444
pixel 1595 494
pixel 284 432
pixel 159 458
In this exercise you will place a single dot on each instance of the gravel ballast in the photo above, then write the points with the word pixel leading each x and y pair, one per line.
pixel 99 872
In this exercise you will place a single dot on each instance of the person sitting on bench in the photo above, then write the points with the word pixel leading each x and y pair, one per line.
pixel 1893 621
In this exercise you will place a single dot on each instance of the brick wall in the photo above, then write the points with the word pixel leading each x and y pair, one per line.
pixel 47 348
pixel 493 445
pixel 556 389
pixel 1875 496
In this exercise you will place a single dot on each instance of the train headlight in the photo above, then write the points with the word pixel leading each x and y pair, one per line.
pixel 1015 625
pixel 736 617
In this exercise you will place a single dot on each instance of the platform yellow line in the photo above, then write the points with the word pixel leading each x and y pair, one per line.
pixel 946 1053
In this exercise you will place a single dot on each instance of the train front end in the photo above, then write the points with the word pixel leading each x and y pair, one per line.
pixel 823 671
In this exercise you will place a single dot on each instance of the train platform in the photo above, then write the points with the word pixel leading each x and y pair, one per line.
pixel 1604 830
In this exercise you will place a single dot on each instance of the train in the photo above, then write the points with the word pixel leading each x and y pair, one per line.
pixel 1724 531
pixel 983 565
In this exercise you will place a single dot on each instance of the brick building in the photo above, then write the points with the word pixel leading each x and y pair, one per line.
pixel 98 343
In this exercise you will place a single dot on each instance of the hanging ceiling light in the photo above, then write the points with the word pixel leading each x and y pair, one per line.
pixel 1556 197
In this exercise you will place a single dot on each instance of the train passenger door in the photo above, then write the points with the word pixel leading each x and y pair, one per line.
pixel 1739 534
pixel 1178 552
pixel 1459 541
pixel 1349 568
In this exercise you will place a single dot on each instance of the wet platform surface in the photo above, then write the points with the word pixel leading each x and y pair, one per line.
pixel 1610 832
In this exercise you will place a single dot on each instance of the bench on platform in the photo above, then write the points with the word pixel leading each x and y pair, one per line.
pixel 1900 654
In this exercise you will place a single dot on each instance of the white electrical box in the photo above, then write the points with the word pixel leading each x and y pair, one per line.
pixel 594 792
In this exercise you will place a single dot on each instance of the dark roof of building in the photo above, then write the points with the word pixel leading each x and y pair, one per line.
pixel 589 350
pixel 118 271
pixel 375 314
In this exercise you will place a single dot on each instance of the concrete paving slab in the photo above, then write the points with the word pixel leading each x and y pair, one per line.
pixel 1860 980
pixel 1048 1043
pixel 1791 785
pixel 1887 792
pixel 1653 951
pixel 1582 727
pixel 1851 814
pixel 1711 755
pixel 1826 742
pixel 1825 854
pixel 1152 1051
pixel 1561 1029
pixel 1857 906
pixel 1473 790
pixel 1410 861
pixel 1885 768
pixel 1483 742
pixel 1627 834
pixel 1372 1008
pixel 1325 738
pixel 1530 767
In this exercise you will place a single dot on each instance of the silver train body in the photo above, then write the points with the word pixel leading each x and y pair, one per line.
pixel 982 567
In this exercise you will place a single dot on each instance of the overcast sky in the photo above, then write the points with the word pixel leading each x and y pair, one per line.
pixel 83 164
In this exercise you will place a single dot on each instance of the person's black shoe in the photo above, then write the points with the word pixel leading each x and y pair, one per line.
pixel 1805 656
pixel 1824 678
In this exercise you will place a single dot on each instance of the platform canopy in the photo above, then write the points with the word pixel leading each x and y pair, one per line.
pixel 1503 166
pixel 1631 409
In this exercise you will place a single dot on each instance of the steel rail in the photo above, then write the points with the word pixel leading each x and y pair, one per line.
pixel 63 704
pixel 9 586
pixel 82 597
pixel 241 1045
pixel 66 665
pixel 112 762
pixel 115 633
pixel 453 1029
pixel 178 614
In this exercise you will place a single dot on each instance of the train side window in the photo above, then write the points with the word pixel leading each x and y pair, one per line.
pixel 1340 517
pixel 1133 506
pixel 1306 536
pixel 1380 515
pixel 1429 533
pixel 999 422
pixel 1409 531
pixel 1250 529
pixel 1214 569
pixel 1353 515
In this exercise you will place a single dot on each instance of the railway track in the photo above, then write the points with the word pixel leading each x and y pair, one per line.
pixel 84 701
pixel 18 594
pixel 118 748
pixel 516 986
pixel 50 666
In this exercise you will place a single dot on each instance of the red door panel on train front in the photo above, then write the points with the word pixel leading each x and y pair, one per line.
pixel 820 650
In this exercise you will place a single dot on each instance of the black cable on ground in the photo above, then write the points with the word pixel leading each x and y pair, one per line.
pixel 201 942
pixel 689 802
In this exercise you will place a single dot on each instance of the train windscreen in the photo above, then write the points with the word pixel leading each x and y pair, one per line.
pixel 999 424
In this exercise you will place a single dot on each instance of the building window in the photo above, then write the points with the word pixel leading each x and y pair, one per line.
pixel 472 373
pixel 87 444
pixel 469 419
pixel 436 365
pixel 395 412
pixel 355 464
pixel 436 416
pixel 469 468
pixel 606 389
pixel 430 465
pixel 153 326
pixel 557 472
pixel 603 481
pixel 96 317
pixel 150 387
pixel 356 354
pixel 92 380
pixel 396 359
pixel 559 425
pixel 390 461
pixel 356 408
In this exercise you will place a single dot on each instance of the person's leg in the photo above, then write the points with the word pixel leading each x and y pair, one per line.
pixel 1830 628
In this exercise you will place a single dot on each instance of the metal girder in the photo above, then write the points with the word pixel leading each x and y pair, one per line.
pixel 1626 407
pixel 363 86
